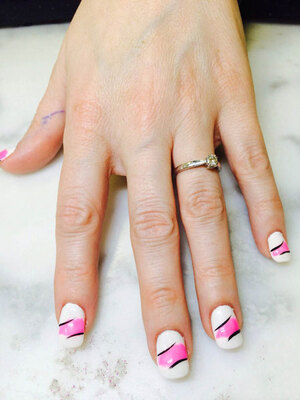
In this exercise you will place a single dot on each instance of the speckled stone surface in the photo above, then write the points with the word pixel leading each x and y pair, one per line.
pixel 114 362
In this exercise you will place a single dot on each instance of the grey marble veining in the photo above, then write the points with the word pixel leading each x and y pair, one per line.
pixel 114 362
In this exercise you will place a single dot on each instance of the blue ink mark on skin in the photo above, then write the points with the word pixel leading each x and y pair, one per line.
pixel 46 119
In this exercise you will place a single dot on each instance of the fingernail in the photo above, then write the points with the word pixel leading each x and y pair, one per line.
pixel 71 325
pixel 226 328
pixel 6 153
pixel 172 357
pixel 278 247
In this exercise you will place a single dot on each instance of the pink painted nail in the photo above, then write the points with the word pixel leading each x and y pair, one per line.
pixel 71 325
pixel 172 357
pixel 6 153
pixel 226 327
pixel 278 247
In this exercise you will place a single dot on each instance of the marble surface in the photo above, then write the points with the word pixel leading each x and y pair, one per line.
pixel 114 363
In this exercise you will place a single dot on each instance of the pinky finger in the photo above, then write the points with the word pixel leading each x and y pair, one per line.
pixel 249 161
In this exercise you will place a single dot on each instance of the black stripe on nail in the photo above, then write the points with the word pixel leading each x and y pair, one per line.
pixel 177 362
pixel 64 323
pixel 223 323
pixel 162 352
pixel 284 252
pixel 75 334
pixel 277 247
pixel 234 334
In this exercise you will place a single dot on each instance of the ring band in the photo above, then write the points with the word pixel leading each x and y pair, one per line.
pixel 210 162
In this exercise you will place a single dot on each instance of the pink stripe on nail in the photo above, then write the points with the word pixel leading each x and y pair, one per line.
pixel 284 247
pixel 3 154
pixel 228 329
pixel 73 327
pixel 171 356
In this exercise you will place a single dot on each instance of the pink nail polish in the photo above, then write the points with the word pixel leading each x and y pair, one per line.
pixel 4 154
pixel 172 357
pixel 226 327
pixel 71 325
pixel 278 247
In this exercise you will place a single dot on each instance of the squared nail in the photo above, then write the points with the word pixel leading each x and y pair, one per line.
pixel 278 247
pixel 172 357
pixel 226 328
pixel 4 154
pixel 71 325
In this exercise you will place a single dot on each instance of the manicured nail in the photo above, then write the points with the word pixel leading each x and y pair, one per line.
pixel 6 153
pixel 278 247
pixel 226 328
pixel 172 357
pixel 71 325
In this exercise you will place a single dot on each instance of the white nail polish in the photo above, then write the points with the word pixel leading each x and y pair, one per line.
pixel 71 325
pixel 172 357
pixel 4 154
pixel 278 247
pixel 226 328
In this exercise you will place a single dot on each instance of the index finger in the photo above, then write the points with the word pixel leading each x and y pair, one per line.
pixel 81 205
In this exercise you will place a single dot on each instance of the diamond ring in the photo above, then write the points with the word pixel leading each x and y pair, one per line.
pixel 210 162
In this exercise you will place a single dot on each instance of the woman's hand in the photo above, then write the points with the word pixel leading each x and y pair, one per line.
pixel 139 87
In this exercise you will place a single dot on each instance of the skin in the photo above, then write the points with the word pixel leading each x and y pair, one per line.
pixel 146 86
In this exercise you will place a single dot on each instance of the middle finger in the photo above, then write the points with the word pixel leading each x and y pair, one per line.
pixel 155 240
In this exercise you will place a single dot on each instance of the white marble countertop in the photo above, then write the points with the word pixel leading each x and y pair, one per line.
pixel 114 363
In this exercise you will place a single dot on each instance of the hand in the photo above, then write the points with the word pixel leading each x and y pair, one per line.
pixel 136 89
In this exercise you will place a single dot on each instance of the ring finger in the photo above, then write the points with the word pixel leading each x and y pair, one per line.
pixel 203 213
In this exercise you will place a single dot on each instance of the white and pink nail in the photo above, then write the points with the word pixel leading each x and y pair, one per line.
pixel 4 154
pixel 172 357
pixel 71 325
pixel 279 248
pixel 226 328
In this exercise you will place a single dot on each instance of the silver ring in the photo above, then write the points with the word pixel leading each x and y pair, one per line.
pixel 210 162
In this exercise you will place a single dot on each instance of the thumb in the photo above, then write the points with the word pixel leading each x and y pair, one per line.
pixel 43 138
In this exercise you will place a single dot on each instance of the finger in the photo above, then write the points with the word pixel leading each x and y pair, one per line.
pixel 203 214
pixel 246 151
pixel 44 137
pixel 81 205
pixel 155 240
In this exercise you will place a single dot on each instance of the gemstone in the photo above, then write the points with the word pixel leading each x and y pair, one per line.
pixel 211 161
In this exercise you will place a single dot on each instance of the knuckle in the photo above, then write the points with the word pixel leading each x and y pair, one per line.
pixel 188 102
pixel 143 101
pixel 188 87
pixel 215 270
pixel 78 272
pixel 163 298
pixel 76 214
pixel 144 112
pixel 153 224
pixel 87 114
pixel 231 81
pixel 263 206
pixel 254 161
pixel 203 202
